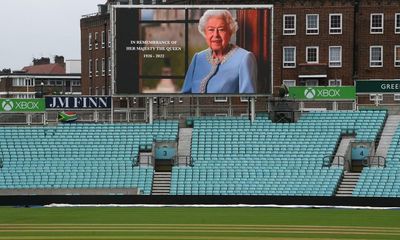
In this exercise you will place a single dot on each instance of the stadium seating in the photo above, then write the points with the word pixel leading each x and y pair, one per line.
pixel 79 155
pixel 231 155
pixel 235 157
pixel 382 181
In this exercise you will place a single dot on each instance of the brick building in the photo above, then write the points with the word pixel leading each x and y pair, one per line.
pixel 42 78
pixel 96 47
pixel 330 43
pixel 325 43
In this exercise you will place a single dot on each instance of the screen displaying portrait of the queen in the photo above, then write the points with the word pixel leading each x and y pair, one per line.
pixel 192 51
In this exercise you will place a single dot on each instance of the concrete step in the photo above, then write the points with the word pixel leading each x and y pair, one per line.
pixel 162 174
pixel 162 177
pixel 344 192
pixel 344 195
pixel 161 183
pixel 347 185
pixel 161 188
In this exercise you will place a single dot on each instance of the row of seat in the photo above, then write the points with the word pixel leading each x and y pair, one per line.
pixel 79 155
pixel 291 156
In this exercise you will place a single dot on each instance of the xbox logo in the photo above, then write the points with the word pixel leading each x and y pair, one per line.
pixel 7 105
pixel 309 93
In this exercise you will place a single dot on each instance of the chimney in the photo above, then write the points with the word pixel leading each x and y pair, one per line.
pixel 102 9
pixel 41 61
pixel 59 59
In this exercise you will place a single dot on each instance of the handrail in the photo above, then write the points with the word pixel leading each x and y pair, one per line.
pixel 329 160
pixel 142 160
pixel 185 160
pixel 374 160
pixel 1 159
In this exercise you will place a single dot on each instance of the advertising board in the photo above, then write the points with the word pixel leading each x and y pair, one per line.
pixel 322 93
pixel 22 105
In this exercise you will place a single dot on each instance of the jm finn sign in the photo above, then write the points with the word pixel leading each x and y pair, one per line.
pixel 78 102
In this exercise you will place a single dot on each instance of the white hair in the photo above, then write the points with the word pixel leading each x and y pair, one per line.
pixel 225 14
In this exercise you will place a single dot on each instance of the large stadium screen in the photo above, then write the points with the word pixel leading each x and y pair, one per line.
pixel 191 50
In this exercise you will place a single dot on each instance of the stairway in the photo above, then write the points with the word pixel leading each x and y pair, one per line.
pixel 184 145
pixel 161 183
pixel 348 183
pixel 389 129
pixel 342 149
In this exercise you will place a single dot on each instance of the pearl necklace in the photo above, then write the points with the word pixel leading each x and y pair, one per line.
pixel 213 61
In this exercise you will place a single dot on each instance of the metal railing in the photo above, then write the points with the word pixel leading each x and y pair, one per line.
pixel 142 160
pixel 333 160
pixel 1 159
pixel 148 160
pixel 183 160
pixel 374 161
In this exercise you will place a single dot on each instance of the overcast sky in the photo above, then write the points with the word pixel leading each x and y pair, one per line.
pixel 41 28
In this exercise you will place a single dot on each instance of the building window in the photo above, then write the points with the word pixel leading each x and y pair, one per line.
pixel 22 82
pixel 103 39
pixel 103 67
pixel 109 38
pixel 244 99
pixel 376 56
pixel 397 56
pixel 335 82
pixel 289 57
pixel 109 66
pixel 376 23
pixel 289 83
pixel 96 67
pixel 396 97
pixel 220 99
pixel 376 97
pixel 311 83
pixel 312 23
pixel 29 82
pixel 96 41
pixel 312 54
pixel 24 95
pixel 335 23
pixel 103 90
pixel 75 83
pixel 90 68
pixel 335 56
pixel 397 23
pixel 289 24
pixel 90 41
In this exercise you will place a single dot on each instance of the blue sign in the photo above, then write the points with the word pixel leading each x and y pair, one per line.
pixel 82 102
pixel 359 153
pixel 165 153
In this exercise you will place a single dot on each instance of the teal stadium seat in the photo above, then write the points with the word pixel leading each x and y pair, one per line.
pixel 79 155
pixel 265 158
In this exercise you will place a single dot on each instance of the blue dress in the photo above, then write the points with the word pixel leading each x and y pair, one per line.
pixel 237 73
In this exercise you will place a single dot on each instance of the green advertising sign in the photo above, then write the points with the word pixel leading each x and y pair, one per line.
pixel 22 105
pixel 376 86
pixel 322 93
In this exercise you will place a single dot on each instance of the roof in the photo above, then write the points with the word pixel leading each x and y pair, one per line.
pixel 52 68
